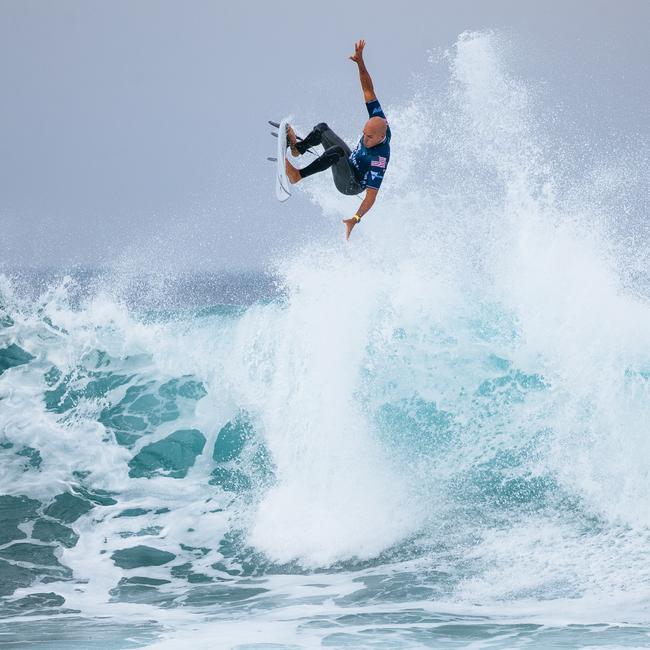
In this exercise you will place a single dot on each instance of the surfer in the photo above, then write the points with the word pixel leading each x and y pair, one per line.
pixel 354 171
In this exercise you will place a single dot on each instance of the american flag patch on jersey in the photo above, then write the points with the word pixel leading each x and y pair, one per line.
pixel 380 162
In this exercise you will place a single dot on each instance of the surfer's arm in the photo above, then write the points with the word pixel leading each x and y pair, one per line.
pixel 364 75
pixel 368 201
pixel 366 204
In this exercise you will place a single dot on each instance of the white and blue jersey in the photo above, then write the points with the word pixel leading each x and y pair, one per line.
pixel 369 163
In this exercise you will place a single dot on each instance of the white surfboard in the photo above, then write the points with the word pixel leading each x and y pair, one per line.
pixel 282 185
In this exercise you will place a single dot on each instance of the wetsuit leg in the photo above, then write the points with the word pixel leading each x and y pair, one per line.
pixel 344 177
pixel 335 156
pixel 313 138
pixel 329 157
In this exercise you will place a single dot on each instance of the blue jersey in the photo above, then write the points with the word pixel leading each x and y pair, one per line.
pixel 369 163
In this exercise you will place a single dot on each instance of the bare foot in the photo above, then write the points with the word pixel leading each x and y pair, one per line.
pixel 349 224
pixel 293 174
pixel 292 140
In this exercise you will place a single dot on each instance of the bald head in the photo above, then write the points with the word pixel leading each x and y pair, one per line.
pixel 374 131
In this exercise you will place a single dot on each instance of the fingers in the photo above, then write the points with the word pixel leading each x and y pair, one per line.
pixel 358 50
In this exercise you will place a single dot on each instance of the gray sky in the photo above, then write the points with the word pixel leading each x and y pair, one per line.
pixel 138 129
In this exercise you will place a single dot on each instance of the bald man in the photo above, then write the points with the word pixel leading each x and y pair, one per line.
pixel 354 171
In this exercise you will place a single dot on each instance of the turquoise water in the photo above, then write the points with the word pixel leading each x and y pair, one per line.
pixel 434 437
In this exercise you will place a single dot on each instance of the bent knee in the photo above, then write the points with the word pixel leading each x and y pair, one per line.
pixel 334 153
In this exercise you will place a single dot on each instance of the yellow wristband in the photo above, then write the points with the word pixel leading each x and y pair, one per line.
pixel 357 218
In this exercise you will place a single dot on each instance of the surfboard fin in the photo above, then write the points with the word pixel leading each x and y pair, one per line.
pixel 277 126
pixel 275 135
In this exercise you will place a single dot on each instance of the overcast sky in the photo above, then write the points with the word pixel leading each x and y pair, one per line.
pixel 139 128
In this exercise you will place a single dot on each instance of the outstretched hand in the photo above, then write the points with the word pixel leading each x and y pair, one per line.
pixel 358 51
pixel 349 224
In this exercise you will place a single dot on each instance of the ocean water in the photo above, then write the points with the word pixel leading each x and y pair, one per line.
pixel 437 436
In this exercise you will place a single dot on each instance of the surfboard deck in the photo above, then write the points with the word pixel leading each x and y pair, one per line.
pixel 282 185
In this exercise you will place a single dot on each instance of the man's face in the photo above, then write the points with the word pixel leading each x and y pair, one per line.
pixel 373 133
pixel 371 137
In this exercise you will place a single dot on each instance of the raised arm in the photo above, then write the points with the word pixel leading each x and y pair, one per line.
pixel 364 76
